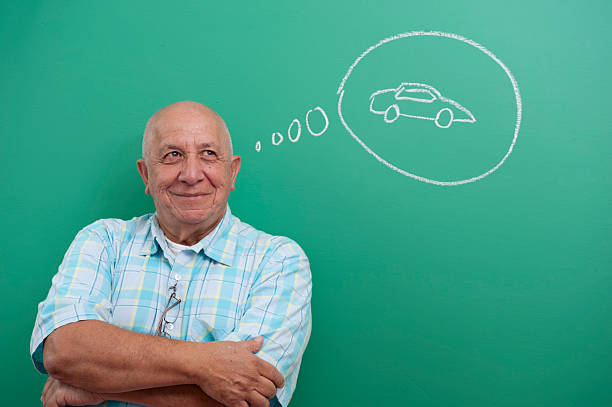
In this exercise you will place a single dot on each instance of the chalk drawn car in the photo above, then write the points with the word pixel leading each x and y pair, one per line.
pixel 418 101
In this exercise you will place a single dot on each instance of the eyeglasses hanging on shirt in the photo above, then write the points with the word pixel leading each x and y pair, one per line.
pixel 164 323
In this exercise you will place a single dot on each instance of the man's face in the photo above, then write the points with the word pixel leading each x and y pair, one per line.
pixel 190 170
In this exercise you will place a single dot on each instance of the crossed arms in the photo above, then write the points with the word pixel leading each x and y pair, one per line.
pixel 111 363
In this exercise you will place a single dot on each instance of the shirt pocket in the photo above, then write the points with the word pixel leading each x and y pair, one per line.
pixel 208 328
pixel 135 299
pixel 214 310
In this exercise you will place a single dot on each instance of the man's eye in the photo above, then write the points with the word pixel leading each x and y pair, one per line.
pixel 209 153
pixel 172 156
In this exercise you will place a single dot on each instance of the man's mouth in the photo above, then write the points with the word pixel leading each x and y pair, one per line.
pixel 189 195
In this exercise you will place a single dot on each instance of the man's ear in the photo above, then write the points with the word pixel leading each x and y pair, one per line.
pixel 144 173
pixel 235 167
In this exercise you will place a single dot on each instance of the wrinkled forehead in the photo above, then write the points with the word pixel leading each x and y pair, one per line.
pixel 188 126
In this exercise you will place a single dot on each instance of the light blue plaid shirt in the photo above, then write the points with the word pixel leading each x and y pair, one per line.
pixel 242 283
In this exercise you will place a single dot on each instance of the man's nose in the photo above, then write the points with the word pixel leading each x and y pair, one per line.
pixel 192 170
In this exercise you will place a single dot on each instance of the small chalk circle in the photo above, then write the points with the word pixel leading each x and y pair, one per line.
pixel 277 140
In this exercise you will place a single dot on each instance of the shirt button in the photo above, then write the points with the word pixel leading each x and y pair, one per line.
pixel 169 326
pixel 177 277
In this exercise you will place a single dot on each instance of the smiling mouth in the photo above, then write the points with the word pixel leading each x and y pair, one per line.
pixel 188 195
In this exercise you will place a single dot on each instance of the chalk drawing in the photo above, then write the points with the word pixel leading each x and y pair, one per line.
pixel 308 122
pixel 275 140
pixel 433 34
pixel 278 138
pixel 410 93
pixel 299 131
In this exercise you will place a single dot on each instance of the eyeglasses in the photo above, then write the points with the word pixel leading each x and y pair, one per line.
pixel 163 321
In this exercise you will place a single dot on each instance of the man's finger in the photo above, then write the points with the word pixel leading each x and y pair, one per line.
pixel 270 372
pixel 255 344
pixel 266 387
pixel 45 389
pixel 255 399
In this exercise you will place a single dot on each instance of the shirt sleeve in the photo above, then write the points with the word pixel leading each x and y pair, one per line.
pixel 80 290
pixel 278 309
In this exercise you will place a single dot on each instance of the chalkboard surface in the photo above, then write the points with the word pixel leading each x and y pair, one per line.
pixel 445 165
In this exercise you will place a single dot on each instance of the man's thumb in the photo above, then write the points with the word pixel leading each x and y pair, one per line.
pixel 255 344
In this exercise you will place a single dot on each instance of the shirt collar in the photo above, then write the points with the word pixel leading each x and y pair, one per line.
pixel 216 244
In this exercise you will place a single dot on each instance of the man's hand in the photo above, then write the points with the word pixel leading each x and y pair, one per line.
pixel 235 377
pixel 58 394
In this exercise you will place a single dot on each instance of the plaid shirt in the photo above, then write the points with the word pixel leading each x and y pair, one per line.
pixel 241 283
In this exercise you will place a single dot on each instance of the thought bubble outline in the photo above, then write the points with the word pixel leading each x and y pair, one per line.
pixel 435 34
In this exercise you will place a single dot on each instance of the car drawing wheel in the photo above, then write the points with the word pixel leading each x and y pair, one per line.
pixel 444 118
pixel 391 114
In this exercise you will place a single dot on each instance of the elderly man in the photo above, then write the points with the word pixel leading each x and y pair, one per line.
pixel 187 306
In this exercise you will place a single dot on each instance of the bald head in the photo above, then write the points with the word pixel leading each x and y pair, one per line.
pixel 180 112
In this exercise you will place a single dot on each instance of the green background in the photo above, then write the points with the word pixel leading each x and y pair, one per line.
pixel 494 293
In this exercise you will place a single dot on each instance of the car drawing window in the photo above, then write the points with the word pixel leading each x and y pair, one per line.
pixel 417 95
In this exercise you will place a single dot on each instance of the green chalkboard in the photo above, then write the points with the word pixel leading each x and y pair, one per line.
pixel 445 165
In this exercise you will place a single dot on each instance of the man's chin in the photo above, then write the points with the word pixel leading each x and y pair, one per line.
pixel 193 219
pixel 197 217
